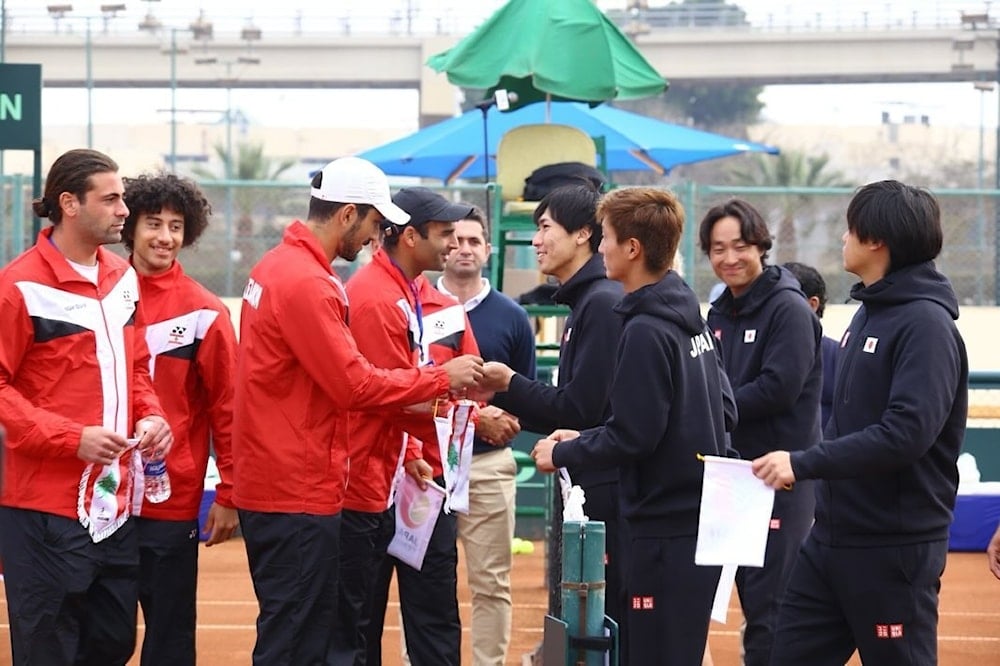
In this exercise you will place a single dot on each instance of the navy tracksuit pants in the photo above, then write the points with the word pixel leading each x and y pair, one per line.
pixel 168 590
pixel 761 588
pixel 70 600
pixel 882 601
pixel 294 560
pixel 428 600
pixel 669 601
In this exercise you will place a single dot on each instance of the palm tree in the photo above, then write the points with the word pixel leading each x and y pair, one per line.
pixel 250 164
pixel 791 169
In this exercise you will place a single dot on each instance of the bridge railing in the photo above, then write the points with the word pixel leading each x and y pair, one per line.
pixel 457 17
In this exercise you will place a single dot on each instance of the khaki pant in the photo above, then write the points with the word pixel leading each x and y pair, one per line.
pixel 486 534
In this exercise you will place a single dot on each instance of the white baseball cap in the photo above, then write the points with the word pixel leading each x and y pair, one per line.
pixel 358 181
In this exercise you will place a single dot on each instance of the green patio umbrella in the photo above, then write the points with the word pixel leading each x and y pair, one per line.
pixel 550 50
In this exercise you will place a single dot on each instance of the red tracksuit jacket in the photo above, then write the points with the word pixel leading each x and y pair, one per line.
pixel 192 343
pixel 72 354
pixel 299 374
pixel 384 320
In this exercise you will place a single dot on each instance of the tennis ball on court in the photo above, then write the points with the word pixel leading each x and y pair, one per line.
pixel 520 546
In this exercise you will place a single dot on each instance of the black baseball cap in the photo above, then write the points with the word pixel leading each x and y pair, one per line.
pixel 425 205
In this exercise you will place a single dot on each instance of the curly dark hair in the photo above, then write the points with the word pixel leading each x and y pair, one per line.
pixel 150 193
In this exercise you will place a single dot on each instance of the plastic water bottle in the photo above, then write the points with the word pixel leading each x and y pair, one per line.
pixel 156 481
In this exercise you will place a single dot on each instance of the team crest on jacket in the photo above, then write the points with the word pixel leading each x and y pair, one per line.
pixel 176 336
pixel 700 344
pixel 870 345
pixel 750 335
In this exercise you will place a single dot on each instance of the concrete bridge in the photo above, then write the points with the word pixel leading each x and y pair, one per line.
pixel 85 55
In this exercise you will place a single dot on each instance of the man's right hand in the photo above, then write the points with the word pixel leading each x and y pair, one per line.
pixel 464 371
pixel 100 445
pixel 496 377
pixel 993 553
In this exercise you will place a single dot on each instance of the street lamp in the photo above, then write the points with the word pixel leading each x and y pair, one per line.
pixel 228 165
pixel 983 87
pixel 974 21
pixel 58 12
pixel 108 12
pixel 149 22
pixel 228 64
pixel 174 50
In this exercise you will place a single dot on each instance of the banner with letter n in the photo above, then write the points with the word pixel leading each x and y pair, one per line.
pixel 20 106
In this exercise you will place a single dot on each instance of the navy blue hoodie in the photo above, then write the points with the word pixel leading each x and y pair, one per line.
pixel 670 401
pixel 586 365
pixel 888 462
pixel 770 341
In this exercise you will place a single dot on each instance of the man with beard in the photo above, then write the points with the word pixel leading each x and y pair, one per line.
pixel 388 323
pixel 299 374
pixel 74 386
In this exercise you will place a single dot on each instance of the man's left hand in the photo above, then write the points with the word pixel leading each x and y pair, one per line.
pixel 420 470
pixel 542 454
pixel 220 524
pixel 155 436
pixel 775 469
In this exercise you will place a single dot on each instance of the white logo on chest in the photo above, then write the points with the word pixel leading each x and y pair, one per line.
pixel 700 344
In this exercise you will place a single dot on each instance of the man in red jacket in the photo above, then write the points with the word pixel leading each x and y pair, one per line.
pixel 74 385
pixel 390 329
pixel 299 375
pixel 193 347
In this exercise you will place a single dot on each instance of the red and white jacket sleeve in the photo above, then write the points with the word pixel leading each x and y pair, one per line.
pixel 216 363
pixel 34 430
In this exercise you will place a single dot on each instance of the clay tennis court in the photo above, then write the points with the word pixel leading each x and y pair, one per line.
pixel 969 630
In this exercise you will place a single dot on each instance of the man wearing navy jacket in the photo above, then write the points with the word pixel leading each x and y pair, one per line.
pixel 566 245
pixel 669 404
pixel 770 345
pixel 868 575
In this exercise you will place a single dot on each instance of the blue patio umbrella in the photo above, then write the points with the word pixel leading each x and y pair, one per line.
pixel 453 148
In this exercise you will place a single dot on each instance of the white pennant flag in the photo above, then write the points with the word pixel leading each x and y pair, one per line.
pixel 455 431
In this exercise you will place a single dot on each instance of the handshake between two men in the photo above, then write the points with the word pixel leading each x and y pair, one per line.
pixel 472 379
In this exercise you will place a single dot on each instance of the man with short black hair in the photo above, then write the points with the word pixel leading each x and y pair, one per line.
pixel 566 244
pixel 769 344
pixel 299 375
pixel 670 403
pixel 869 572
